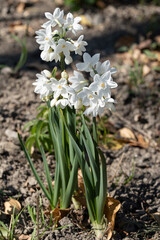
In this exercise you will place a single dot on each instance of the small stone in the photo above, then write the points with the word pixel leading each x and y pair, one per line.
pixel 32 181
pixel 6 70
pixel 11 134
pixel 8 147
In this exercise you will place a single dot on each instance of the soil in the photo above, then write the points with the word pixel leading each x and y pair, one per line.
pixel 133 170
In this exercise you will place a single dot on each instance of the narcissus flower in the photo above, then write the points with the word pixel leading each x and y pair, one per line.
pixel 89 62
pixel 43 84
pixel 54 19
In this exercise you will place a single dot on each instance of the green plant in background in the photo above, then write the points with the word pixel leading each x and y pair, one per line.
pixel 8 233
pixel 23 56
pixel 76 4
pixel 136 75
pixel 37 216
pixel 39 131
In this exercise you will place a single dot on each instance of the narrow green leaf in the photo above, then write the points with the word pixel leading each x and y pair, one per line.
pixel 33 169
pixel 71 183
pixel 47 173
pixel 4 226
pixel 57 185
pixel 30 124
pixel 103 188
pixel 93 165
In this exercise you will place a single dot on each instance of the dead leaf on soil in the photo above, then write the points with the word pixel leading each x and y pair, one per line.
pixel 57 213
pixel 18 26
pixel 157 38
pixel 86 21
pixel 126 133
pixel 20 7
pixel 141 142
pixel 111 208
pixel 145 44
pixel 145 70
pixel 10 205
pixel 24 237
pixel 136 54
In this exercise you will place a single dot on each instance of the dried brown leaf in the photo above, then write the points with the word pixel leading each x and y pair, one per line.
pixel 24 237
pixel 140 142
pixel 58 213
pixel 111 208
pixel 145 44
pixel 10 205
pixel 86 21
pixel 126 133
pixel 20 7
pixel 145 70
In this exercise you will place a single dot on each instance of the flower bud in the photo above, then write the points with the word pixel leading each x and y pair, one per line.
pixel 47 73
pixel 64 74
pixel 78 104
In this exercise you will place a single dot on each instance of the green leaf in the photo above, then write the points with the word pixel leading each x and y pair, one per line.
pixel 71 183
pixel 150 54
pixel 47 174
pixel 30 124
pixel 34 170
pixel 23 57
pixel 103 189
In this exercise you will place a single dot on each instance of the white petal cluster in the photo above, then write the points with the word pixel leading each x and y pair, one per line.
pixel 52 37
pixel 73 91
pixel 97 96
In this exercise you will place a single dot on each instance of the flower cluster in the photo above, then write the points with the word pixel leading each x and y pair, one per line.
pixel 73 91
pixel 53 38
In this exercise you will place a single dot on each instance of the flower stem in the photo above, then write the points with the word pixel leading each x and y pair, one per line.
pixel 62 62
pixel 94 129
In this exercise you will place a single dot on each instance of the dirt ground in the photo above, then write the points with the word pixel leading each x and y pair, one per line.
pixel 133 168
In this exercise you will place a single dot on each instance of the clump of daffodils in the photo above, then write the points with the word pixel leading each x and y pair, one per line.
pixel 73 91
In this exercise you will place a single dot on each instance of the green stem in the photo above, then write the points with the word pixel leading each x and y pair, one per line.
pixel 62 62
pixel 95 130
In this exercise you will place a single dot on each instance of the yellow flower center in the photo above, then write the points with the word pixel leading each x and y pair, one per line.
pixel 63 46
pixel 46 38
pixel 59 86
pixel 102 85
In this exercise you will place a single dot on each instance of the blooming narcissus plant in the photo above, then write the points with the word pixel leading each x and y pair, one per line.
pixel 64 95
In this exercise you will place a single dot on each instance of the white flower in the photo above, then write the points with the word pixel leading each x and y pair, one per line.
pixel 101 68
pixel 61 102
pixel 65 47
pixel 80 45
pixel 43 84
pixel 102 84
pixel 40 38
pixel 98 107
pixel 75 101
pixel 59 88
pixel 87 96
pixel 78 81
pixel 49 55
pixel 54 19
pixel 89 62
pixel 72 23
